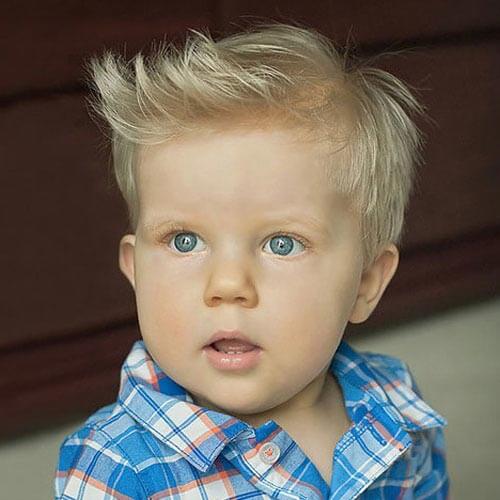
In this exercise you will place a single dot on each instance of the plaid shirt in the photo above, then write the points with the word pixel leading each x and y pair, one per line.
pixel 155 443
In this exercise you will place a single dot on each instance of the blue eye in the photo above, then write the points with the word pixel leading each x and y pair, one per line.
pixel 186 241
pixel 282 244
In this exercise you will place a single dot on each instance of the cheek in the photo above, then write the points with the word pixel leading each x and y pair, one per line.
pixel 323 292
pixel 313 312
pixel 164 307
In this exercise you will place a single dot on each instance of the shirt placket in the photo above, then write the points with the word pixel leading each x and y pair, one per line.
pixel 270 462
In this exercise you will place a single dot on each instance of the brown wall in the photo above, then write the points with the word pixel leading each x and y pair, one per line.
pixel 69 313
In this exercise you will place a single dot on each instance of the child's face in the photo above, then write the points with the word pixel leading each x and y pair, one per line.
pixel 231 190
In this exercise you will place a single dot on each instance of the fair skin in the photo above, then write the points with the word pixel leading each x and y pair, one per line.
pixel 231 188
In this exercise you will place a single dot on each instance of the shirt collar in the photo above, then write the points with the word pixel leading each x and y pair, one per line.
pixel 372 380
pixel 165 409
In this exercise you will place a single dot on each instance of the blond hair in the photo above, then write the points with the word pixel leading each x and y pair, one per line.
pixel 290 75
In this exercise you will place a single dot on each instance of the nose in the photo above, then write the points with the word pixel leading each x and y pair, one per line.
pixel 231 281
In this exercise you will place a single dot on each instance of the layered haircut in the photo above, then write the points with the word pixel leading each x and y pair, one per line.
pixel 270 74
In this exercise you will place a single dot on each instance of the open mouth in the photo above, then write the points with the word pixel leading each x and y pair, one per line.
pixel 235 358
pixel 232 350
pixel 232 346
pixel 213 346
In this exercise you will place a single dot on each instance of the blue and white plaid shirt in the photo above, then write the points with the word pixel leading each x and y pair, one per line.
pixel 155 443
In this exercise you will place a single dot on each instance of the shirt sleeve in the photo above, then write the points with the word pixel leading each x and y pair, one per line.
pixel 90 466
pixel 432 479
pixel 429 470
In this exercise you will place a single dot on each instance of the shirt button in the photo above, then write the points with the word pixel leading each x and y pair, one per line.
pixel 269 453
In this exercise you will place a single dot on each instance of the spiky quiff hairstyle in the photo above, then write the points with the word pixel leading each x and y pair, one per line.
pixel 278 74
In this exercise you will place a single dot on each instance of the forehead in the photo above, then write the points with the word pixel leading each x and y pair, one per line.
pixel 236 173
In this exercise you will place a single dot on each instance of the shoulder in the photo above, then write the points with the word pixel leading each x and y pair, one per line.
pixel 92 461
pixel 393 382
pixel 391 368
pixel 425 461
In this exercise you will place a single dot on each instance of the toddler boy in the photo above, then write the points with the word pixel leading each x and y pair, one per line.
pixel 266 179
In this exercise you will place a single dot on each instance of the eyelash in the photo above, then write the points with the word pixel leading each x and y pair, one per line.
pixel 169 236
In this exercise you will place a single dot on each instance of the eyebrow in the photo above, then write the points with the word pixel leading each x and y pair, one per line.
pixel 306 220
pixel 311 221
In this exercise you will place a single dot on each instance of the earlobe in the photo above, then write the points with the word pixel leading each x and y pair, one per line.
pixel 374 281
pixel 126 257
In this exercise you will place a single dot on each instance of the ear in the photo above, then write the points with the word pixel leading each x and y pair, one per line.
pixel 374 281
pixel 126 257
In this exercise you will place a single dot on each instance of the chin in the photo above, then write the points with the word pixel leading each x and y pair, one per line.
pixel 237 404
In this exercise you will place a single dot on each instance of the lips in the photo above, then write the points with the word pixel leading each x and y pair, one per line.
pixel 233 346
pixel 231 361
pixel 231 341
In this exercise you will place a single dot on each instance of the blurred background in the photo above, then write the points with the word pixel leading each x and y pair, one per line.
pixel 69 314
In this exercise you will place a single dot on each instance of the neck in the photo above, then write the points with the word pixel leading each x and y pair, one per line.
pixel 315 401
